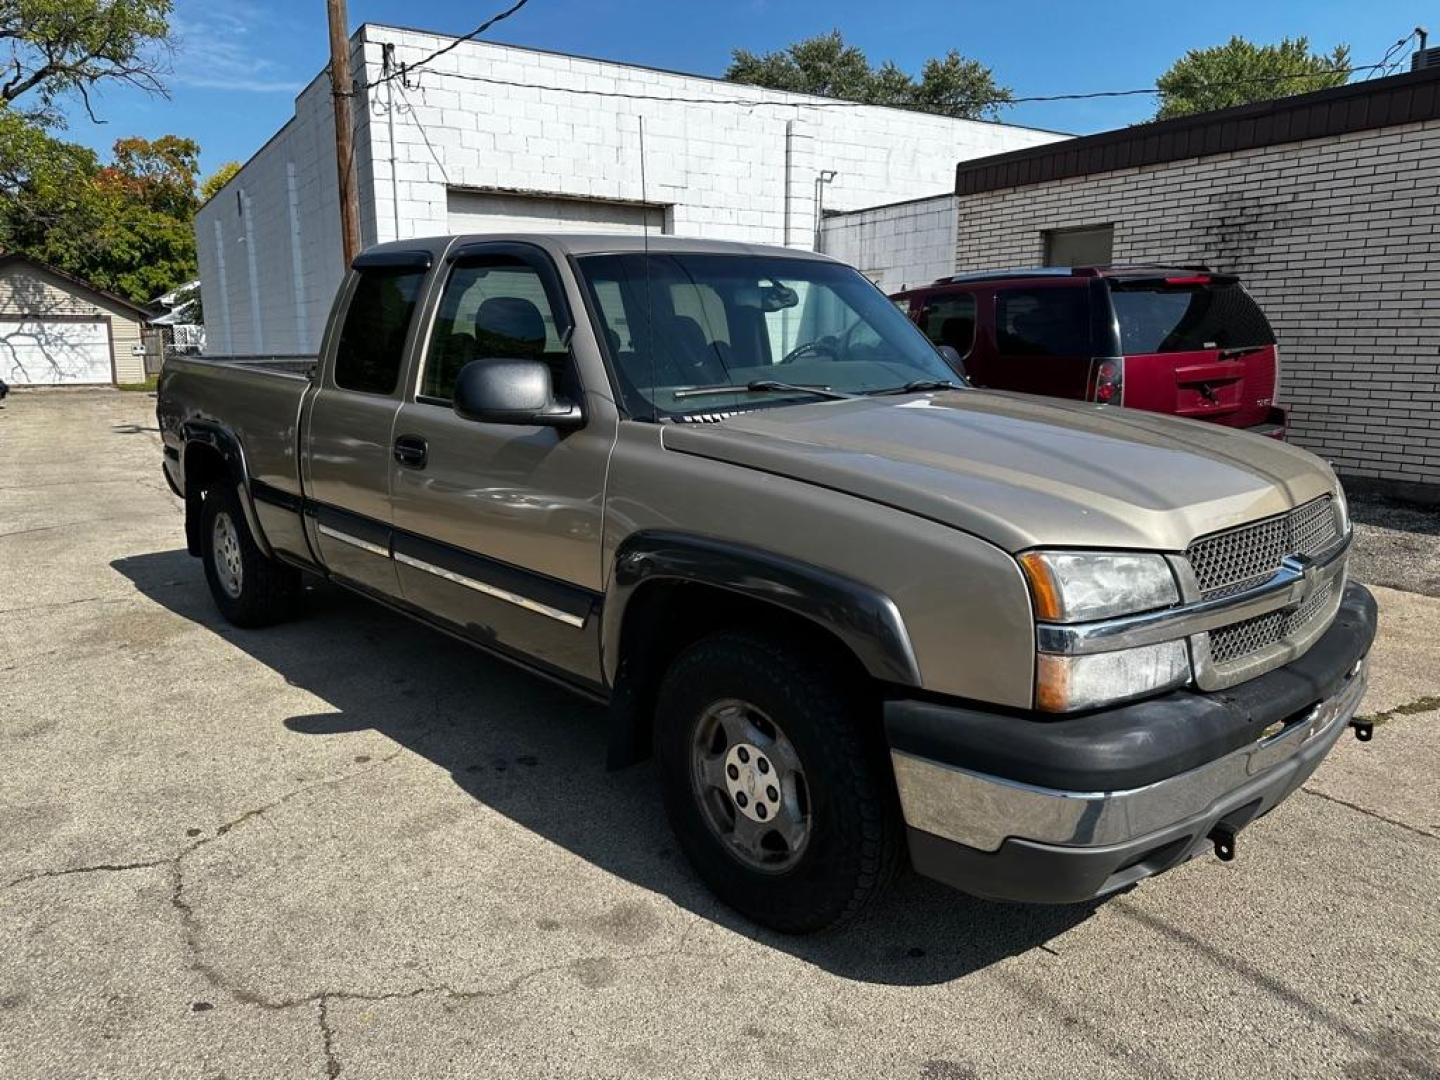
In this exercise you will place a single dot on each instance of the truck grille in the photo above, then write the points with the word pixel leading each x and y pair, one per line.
pixel 1238 640
pixel 1238 559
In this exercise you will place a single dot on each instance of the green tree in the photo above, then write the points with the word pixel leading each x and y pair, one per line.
pixel 60 47
pixel 825 65
pixel 127 226
pixel 1240 72
pixel 211 185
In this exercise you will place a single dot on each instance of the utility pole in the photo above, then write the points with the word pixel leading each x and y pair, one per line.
pixel 341 92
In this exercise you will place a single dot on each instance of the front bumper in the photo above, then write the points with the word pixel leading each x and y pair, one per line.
pixel 1050 810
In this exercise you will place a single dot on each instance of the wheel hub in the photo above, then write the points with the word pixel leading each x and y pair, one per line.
pixel 225 547
pixel 750 786
pixel 751 781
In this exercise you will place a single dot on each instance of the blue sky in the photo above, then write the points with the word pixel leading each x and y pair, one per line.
pixel 239 63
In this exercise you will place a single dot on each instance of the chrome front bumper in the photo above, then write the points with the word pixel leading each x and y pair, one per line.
pixel 982 812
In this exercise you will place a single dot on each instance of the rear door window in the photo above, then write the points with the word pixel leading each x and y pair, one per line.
pixel 1163 319
pixel 1043 322
pixel 950 320
pixel 372 338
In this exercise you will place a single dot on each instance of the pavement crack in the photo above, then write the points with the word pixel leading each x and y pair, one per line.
pixel 66 603
pixel 1371 813
pixel 99 868
pixel 327 1036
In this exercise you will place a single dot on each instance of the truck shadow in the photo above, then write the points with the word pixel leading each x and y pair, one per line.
pixel 536 754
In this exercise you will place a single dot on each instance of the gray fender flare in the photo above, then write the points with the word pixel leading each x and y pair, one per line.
pixel 865 620
pixel 227 444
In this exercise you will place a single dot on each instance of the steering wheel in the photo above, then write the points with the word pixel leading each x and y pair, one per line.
pixel 826 344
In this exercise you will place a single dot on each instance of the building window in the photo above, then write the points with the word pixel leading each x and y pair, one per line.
pixel 1090 246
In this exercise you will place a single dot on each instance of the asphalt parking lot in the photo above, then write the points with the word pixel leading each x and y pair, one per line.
pixel 350 847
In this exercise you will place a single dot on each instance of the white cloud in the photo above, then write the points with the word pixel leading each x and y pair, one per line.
pixel 214 49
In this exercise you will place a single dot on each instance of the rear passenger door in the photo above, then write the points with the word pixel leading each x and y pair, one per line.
pixel 1042 340
pixel 349 428
pixel 498 525
pixel 949 319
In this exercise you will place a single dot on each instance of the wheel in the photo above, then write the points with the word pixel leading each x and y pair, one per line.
pixel 779 793
pixel 249 589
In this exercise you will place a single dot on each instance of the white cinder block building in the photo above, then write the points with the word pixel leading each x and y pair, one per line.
pixel 491 137
pixel 1327 205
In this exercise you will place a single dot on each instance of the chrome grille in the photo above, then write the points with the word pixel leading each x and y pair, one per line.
pixel 1240 639
pixel 1238 559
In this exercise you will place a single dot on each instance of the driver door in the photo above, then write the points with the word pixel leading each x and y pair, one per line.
pixel 498 525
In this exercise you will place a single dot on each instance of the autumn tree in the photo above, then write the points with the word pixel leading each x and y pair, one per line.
pixel 952 85
pixel 223 174
pixel 1240 72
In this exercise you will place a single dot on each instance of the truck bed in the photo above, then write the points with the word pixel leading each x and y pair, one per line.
pixel 259 399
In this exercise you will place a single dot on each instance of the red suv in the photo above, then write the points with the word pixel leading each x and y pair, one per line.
pixel 1178 340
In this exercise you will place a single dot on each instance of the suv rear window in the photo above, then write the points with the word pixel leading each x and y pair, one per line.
pixel 1163 319
pixel 1043 322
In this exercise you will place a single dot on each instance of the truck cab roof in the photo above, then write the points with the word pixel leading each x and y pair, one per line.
pixel 568 243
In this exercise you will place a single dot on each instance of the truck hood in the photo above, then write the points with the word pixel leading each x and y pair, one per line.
pixel 1023 471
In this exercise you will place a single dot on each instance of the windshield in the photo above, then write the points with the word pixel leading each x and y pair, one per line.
pixel 686 321
pixel 1191 319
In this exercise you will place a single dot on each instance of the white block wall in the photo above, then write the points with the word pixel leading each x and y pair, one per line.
pixel 897 246
pixel 722 166
pixel 1339 241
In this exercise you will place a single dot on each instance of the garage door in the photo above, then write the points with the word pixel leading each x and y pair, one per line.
pixel 54 353
pixel 482 212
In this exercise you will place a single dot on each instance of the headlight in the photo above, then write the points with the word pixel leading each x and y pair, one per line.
pixel 1077 586
pixel 1084 586
pixel 1067 683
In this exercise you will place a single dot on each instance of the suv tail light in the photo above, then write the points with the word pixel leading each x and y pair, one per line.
pixel 1107 381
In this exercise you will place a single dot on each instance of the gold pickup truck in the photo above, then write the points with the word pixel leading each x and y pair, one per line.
pixel 856 610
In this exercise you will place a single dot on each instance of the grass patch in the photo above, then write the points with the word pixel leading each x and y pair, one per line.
pixel 148 384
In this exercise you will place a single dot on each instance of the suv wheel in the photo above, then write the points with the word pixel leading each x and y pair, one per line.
pixel 784 807
pixel 249 589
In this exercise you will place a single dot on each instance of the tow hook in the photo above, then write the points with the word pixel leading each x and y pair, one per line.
pixel 1223 837
pixel 1363 728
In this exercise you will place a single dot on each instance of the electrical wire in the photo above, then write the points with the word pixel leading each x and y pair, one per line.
pixel 839 104
pixel 1391 52
pixel 403 69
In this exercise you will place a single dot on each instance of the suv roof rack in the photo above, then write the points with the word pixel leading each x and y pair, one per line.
pixel 1068 271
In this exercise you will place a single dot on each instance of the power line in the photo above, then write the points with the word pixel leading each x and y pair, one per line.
pixel 404 70
pixel 1391 52
pixel 840 104
pixel 400 72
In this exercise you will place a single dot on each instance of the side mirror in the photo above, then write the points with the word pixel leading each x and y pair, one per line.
pixel 952 357
pixel 511 392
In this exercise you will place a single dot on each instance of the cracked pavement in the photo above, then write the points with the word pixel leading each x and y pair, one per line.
pixel 350 847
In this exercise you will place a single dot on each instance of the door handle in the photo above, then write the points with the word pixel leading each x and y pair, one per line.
pixel 411 450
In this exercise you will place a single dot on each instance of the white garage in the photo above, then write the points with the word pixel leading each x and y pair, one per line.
pixel 488 211
pixel 57 330
pixel 49 353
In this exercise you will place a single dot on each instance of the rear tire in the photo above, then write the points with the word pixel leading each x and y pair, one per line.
pixel 776 782
pixel 250 589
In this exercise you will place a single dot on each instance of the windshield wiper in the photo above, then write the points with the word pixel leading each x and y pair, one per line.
pixel 762 386
pixel 920 385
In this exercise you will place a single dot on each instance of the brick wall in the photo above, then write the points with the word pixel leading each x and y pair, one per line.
pixel 722 166
pixel 1337 238
pixel 897 246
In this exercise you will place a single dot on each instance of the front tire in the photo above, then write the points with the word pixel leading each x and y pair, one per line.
pixel 776 782
pixel 250 590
